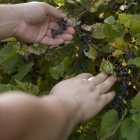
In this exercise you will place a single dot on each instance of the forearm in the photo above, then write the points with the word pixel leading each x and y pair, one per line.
pixel 32 118
pixel 9 20
pixel 62 117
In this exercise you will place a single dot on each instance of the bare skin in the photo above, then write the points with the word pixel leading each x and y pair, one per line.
pixel 51 117
pixel 32 22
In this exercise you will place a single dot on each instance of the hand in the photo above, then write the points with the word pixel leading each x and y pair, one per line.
pixel 36 21
pixel 85 93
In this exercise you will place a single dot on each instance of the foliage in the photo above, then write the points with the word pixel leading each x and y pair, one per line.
pixel 112 29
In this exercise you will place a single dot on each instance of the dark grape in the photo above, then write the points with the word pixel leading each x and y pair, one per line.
pixel 55 32
pixel 62 23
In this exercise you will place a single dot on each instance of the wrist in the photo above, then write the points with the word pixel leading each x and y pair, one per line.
pixel 10 16
pixel 64 115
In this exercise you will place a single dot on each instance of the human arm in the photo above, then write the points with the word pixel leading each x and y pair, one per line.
pixel 32 22
pixel 53 117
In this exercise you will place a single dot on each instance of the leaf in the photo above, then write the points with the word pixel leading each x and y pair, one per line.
pixel 117 53
pixel 27 87
pixel 120 1
pixel 135 61
pixel 23 69
pixel 120 43
pixel 134 27
pixel 110 20
pixel 60 2
pixel 10 65
pixel 136 119
pixel 138 39
pixel 57 71
pixel 124 19
pixel 120 30
pixel 109 32
pixel 107 67
pixel 98 33
pixel 85 3
pixel 136 102
pixel 129 130
pixel 92 53
pixel 5 87
pixel 66 62
pixel 109 122
pixel 37 49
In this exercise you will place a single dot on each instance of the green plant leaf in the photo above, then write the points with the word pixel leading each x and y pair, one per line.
pixel 57 71
pixel 138 39
pixel 60 2
pixel 110 20
pixel 107 67
pixel 109 32
pixel 136 102
pixel 109 122
pixel 129 130
pixel 135 61
pixel 5 87
pixel 136 119
pixel 27 87
pixel 117 53
pixel 92 53
pixel 23 69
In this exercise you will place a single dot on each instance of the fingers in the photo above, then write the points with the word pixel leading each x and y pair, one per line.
pixel 99 78
pixel 66 36
pixel 106 98
pixel 52 11
pixel 106 85
pixel 53 25
pixel 50 41
pixel 84 75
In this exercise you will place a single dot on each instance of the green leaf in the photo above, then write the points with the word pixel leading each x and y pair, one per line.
pixel 117 53
pixel 110 20
pixel 66 62
pixel 134 27
pixel 135 61
pixel 98 31
pixel 27 87
pixel 10 65
pixel 85 3
pixel 57 71
pixel 60 2
pixel 136 119
pixel 136 102
pixel 37 49
pixel 109 32
pixel 107 67
pixel 5 87
pixel 138 39
pixel 129 130
pixel 92 53
pixel 120 1
pixel 23 69
pixel 120 43
pixel 120 30
pixel 109 122
pixel 124 19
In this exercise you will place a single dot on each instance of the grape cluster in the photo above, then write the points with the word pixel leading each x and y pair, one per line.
pixel 125 84
pixel 62 23
pixel 56 32
pixel 86 41
pixel 63 26
pixel 118 104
